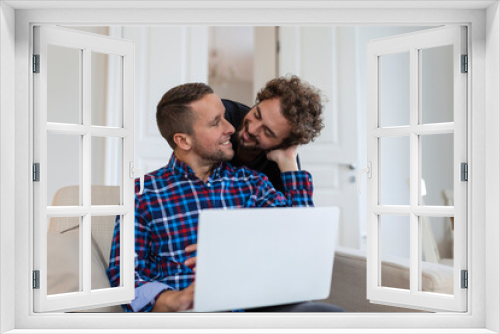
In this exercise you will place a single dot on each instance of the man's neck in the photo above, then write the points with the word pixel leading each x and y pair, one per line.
pixel 246 156
pixel 201 169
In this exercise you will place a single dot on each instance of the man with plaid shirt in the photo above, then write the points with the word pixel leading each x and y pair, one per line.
pixel 191 118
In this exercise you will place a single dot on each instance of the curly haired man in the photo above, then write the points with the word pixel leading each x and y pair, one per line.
pixel 288 113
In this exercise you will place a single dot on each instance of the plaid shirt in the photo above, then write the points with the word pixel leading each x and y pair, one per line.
pixel 166 220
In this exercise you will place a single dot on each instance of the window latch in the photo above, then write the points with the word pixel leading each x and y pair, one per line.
pixel 133 170
pixel 368 171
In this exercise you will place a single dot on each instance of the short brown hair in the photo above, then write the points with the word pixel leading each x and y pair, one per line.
pixel 173 113
pixel 300 104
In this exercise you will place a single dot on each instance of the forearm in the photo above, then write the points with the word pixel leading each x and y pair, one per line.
pixel 162 302
pixel 146 296
pixel 165 302
pixel 175 301
pixel 288 165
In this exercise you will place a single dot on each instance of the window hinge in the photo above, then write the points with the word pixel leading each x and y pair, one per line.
pixel 36 279
pixel 36 63
pixel 465 172
pixel 36 172
pixel 465 64
pixel 465 279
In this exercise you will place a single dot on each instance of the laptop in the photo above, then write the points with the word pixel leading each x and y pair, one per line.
pixel 250 258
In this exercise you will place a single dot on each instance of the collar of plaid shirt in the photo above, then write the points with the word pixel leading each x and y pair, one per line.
pixel 181 168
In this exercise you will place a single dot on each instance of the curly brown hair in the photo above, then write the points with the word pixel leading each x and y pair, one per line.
pixel 173 112
pixel 300 104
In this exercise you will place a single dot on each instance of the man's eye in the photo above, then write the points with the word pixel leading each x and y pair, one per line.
pixel 257 115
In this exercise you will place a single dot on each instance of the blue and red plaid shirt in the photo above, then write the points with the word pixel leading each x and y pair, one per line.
pixel 166 220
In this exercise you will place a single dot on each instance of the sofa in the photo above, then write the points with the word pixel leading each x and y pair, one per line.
pixel 348 287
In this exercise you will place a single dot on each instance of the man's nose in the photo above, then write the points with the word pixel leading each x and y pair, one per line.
pixel 252 128
pixel 229 127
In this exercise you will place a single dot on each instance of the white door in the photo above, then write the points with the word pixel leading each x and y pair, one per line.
pixel 166 57
pixel 312 53
pixel 69 138
pixel 417 129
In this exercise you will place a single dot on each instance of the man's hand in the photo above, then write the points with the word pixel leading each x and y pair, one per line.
pixel 175 301
pixel 191 262
pixel 286 158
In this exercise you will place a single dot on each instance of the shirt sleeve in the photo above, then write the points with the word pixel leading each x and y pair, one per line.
pixel 298 191
pixel 146 291
pixel 298 188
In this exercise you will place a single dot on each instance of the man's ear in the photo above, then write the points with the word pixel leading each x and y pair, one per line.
pixel 183 141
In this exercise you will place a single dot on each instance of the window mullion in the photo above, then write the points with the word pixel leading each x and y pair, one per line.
pixel 76 129
pixel 85 231
pixel 434 211
pixel 414 170
pixel 80 211
pixel 434 129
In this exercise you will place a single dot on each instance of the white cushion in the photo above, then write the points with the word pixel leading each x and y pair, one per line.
pixel 63 263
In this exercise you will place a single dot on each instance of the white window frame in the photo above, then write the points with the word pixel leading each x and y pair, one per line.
pixel 16 304
pixel 413 44
pixel 87 43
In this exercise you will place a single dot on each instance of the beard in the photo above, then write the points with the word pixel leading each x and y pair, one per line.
pixel 215 156
pixel 242 144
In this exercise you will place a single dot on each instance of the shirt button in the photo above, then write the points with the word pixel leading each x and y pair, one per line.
pixel 208 184
pixel 186 176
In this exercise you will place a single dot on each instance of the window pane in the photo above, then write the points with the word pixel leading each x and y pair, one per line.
pixel 106 170
pixel 437 169
pixel 64 84
pixel 395 89
pixel 106 90
pixel 102 236
pixel 63 169
pixel 395 170
pixel 437 252
pixel 395 251
pixel 63 255
pixel 437 84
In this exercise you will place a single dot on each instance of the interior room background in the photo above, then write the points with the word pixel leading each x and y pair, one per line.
pixel 236 62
